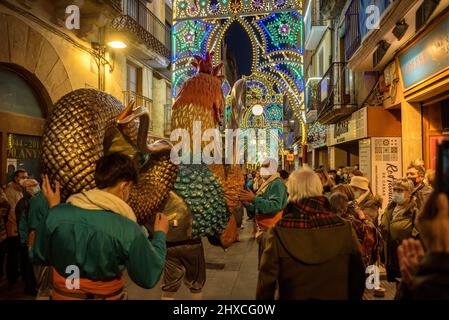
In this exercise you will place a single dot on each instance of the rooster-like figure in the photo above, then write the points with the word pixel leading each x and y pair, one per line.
pixel 85 124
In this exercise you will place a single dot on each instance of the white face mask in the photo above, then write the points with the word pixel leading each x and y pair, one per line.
pixel 35 190
pixel 399 198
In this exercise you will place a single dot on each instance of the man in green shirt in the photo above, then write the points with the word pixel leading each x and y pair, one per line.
pixel 268 202
pixel 92 238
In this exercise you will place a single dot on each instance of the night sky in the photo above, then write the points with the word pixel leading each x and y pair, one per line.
pixel 240 44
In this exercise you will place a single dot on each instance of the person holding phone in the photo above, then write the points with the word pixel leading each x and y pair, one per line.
pixel 96 234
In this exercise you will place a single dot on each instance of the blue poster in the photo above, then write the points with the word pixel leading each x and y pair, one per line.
pixel 427 57
pixel 367 10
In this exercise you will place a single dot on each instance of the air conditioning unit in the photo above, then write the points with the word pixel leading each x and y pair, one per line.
pixel 380 52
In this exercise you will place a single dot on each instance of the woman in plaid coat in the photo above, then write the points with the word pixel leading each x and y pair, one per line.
pixel 311 252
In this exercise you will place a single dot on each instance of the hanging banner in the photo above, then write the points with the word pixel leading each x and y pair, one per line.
pixel 386 165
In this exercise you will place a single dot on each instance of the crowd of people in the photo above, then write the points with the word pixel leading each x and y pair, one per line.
pixel 317 232
pixel 333 227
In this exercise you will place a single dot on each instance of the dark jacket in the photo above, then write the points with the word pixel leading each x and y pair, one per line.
pixel 421 194
pixel 431 281
pixel 371 206
pixel 313 254
pixel 394 231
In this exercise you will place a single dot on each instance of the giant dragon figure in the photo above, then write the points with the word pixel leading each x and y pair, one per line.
pixel 85 124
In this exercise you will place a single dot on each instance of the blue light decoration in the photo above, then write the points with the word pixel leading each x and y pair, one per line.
pixel 282 31
pixel 294 72
pixel 226 88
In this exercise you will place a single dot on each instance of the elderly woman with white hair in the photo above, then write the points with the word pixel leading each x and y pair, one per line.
pixel 311 252
pixel 398 223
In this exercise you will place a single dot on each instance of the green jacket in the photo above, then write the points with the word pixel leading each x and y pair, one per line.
pixel 402 226
pixel 38 211
pixel 101 243
pixel 273 200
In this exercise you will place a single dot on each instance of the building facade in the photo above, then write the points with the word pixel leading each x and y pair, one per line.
pixel 50 48
pixel 377 81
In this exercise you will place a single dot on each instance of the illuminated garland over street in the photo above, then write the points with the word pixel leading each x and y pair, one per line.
pixel 275 31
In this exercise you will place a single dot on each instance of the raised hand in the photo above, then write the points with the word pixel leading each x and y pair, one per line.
pixel 410 254
pixel 53 196
pixel 247 196
pixel 161 223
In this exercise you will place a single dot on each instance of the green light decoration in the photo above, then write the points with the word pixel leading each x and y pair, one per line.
pixel 214 8
pixel 190 37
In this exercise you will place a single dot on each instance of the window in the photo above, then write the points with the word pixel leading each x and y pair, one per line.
pixel 133 78
pixel 320 66
pixel 17 96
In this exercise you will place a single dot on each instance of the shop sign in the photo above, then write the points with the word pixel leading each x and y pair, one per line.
pixel 290 157
pixel 352 128
pixel 23 152
pixel 365 157
pixel 386 166
pixel 427 57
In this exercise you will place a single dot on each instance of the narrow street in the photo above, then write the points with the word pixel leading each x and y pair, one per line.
pixel 231 275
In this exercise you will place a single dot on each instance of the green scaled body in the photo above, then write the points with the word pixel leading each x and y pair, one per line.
pixel 203 194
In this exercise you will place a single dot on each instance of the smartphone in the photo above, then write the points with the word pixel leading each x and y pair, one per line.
pixel 442 172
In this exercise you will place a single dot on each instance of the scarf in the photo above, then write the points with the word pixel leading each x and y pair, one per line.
pixel 266 183
pixel 97 199
pixel 309 213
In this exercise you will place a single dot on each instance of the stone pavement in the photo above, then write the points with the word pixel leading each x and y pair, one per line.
pixel 235 280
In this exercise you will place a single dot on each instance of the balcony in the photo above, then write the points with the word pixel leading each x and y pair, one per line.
pixel 312 100
pixel 352 31
pixel 140 100
pixel 331 8
pixel 336 94
pixel 139 23
pixel 314 28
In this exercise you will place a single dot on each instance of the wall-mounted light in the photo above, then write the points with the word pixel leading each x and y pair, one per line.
pixel 99 53
pixel 117 44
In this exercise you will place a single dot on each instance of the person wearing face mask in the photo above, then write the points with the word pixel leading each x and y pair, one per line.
pixel 398 223
pixel 97 232
pixel 268 202
pixel 417 174
pixel 14 193
pixel 30 189
pixel 364 198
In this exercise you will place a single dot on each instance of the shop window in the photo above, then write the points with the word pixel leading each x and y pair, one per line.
pixel 16 95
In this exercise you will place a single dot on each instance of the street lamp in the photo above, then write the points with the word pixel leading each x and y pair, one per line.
pixel 257 109
pixel 99 53
pixel 117 44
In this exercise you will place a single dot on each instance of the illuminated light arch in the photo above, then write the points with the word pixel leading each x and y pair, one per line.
pixel 275 30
